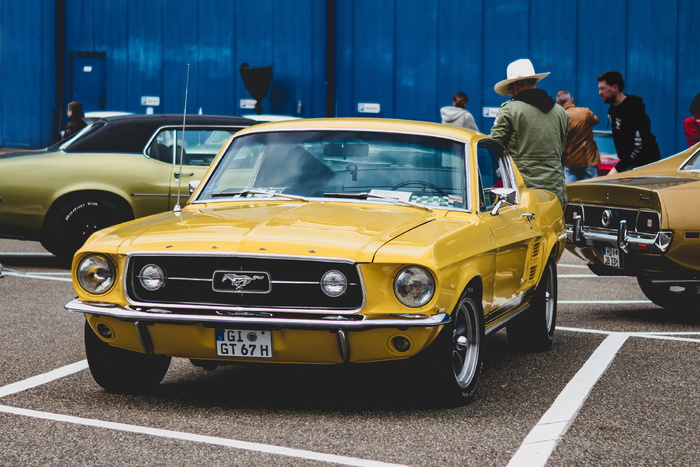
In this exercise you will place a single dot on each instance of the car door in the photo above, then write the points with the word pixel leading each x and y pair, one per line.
pixel 515 233
pixel 189 155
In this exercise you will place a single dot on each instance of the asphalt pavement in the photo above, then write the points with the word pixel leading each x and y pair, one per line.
pixel 618 387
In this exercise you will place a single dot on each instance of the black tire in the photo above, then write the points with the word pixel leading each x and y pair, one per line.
pixel 452 364
pixel 68 225
pixel 123 371
pixel 533 330
pixel 671 295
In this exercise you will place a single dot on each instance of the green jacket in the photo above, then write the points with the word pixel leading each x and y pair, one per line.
pixel 533 128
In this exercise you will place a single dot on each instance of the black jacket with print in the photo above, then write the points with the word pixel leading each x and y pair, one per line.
pixel 631 129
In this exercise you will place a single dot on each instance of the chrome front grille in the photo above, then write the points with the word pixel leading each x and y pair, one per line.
pixel 243 282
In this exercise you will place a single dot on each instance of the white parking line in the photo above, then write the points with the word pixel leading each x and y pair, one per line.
pixel 24 253
pixel 232 443
pixel 38 380
pixel 535 450
pixel 540 442
pixel 67 370
pixel 47 276
pixel 578 266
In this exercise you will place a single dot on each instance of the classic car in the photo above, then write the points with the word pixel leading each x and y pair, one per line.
pixel 116 169
pixel 642 223
pixel 329 241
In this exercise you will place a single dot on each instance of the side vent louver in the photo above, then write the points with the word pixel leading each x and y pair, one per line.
pixel 535 260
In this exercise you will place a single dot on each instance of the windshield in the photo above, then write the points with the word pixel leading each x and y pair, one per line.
pixel 343 164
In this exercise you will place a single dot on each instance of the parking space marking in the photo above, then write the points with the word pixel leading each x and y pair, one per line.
pixel 539 444
pixel 38 380
pixel 535 450
pixel 49 276
pixel 183 436
pixel 25 253
pixel 578 266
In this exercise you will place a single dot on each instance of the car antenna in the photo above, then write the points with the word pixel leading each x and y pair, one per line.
pixel 177 207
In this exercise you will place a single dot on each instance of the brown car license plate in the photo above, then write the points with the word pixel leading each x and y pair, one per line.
pixel 611 257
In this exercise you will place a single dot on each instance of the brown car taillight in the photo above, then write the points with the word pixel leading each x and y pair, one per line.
pixel 648 222
pixel 571 211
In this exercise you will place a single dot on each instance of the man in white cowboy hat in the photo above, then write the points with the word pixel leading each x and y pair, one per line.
pixel 533 128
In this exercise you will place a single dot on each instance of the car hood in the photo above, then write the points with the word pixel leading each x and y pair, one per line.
pixel 328 229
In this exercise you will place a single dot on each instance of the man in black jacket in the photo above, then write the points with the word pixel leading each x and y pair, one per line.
pixel 631 127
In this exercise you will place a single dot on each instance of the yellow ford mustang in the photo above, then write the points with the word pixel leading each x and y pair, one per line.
pixel 329 241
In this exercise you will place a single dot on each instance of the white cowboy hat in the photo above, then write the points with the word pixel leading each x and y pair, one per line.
pixel 517 70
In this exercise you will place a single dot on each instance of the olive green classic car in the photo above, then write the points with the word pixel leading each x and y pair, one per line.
pixel 329 241
pixel 116 169
pixel 643 223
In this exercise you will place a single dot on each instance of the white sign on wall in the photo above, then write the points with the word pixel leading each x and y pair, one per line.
pixel 490 112
pixel 369 108
pixel 150 101
pixel 248 103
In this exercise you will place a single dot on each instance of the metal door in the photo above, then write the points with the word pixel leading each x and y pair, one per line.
pixel 87 80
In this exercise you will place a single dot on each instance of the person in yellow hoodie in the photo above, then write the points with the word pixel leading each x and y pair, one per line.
pixel 533 128
pixel 581 157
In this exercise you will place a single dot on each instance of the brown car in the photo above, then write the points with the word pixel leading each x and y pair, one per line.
pixel 642 223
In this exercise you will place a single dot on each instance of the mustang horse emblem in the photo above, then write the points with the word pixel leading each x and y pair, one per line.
pixel 239 281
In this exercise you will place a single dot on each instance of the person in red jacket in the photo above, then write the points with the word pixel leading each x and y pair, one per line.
pixel 691 125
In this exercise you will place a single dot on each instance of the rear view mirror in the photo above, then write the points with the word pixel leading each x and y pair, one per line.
pixel 346 150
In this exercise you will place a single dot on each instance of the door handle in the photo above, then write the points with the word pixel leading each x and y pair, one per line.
pixel 183 174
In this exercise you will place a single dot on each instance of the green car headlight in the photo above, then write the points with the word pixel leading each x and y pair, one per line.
pixel 95 274
pixel 414 286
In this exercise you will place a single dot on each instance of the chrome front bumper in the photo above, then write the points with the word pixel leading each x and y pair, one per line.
pixel 622 239
pixel 334 323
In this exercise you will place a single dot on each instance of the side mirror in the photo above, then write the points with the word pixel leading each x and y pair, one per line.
pixel 501 196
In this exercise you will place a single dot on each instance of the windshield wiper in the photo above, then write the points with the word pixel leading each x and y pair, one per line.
pixel 244 193
pixel 370 195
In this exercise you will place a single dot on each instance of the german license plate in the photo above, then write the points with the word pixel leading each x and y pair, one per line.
pixel 611 257
pixel 243 343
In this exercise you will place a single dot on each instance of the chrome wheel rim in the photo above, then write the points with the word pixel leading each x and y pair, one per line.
pixel 549 298
pixel 466 344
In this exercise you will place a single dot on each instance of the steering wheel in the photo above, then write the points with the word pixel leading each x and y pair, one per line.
pixel 423 184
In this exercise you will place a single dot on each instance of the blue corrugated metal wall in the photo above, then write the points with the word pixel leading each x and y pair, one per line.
pixel 408 56
pixel 412 56
pixel 149 45
pixel 27 72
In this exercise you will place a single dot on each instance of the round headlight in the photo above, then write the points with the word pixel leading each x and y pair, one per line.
pixel 95 274
pixel 414 286
pixel 334 283
pixel 152 277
